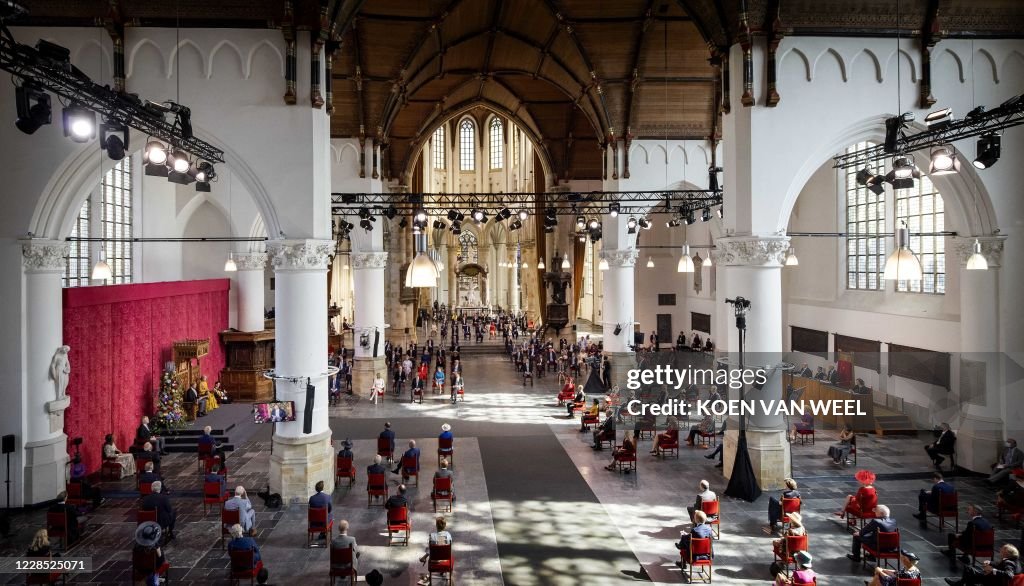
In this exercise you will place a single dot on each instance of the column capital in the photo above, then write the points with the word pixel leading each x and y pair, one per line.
pixel 300 255
pixel 44 256
pixel 620 258
pixel 251 261
pixel 753 251
pixel 991 249
pixel 369 260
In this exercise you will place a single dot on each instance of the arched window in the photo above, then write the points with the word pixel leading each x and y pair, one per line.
pixel 865 228
pixel 78 268
pixel 467 145
pixel 439 148
pixel 921 207
pixel 114 213
pixel 469 251
pixel 497 144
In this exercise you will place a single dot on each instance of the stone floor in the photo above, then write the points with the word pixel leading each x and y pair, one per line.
pixel 535 505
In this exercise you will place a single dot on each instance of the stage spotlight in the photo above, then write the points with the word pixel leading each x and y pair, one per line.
pixel 644 223
pixel 364 212
pixel 515 225
pixel 549 229
pixel 691 218
pixel 943 161
pixel 581 222
pixel 456 229
pixel 902 167
pixel 875 184
pixel 479 216
pixel 421 216
pixel 178 161
pixel 720 213
pixel 863 176
pixel 391 212
pixel 594 224
pixel 80 123
pixel 114 139
pixel 366 224
pixel 631 223
pixel 523 214
pixel 672 223
pixel 503 214
pixel 403 222
pixel 989 150
pixel 439 225
pixel 613 209
pixel 978 111
pixel 582 236
pixel 893 126
pixel 204 173
pixel 453 215
pixel 32 115
pixel 939 119
pixel 705 215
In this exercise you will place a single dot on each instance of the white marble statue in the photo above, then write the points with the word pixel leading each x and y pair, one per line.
pixel 60 370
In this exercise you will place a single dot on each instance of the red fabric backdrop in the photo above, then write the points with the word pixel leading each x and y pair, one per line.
pixel 120 338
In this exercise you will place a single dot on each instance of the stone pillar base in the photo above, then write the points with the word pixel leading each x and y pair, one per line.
pixel 363 371
pixel 978 442
pixel 769 456
pixel 45 465
pixel 298 463
pixel 622 362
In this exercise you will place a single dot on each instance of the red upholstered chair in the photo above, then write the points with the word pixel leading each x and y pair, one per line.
pixel 887 548
pixel 865 510
pixel 212 495
pixel 441 562
pixel 110 467
pixel 143 516
pixel 446 449
pixel 57 527
pixel 669 443
pixel 607 437
pixel 710 509
pixel 242 566
pixel 793 544
pixel 917 582
pixel 1015 513
pixel 589 420
pixel 568 393
pixel 344 469
pixel 624 461
pixel 1018 580
pixel 228 517
pixel 789 506
pixel 75 497
pixel 949 507
pixel 984 545
pixel 384 449
pixel 442 492
pixel 813 582
pixel 376 487
pixel 707 439
pixel 44 578
pixel 144 564
pixel 208 467
pixel 204 454
pixel 803 434
pixel 410 468
pixel 145 488
pixel 700 546
pixel 318 521
pixel 342 564
pixel 140 463
pixel 398 522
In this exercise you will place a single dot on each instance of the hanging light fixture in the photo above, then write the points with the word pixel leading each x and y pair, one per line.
pixel 229 264
pixel 707 261
pixel 422 270
pixel 791 259
pixel 526 265
pixel 685 262
pixel 977 261
pixel 603 265
pixel 565 262
pixel 650 262
pixel 101 270
pixel 540 264
pixel 902 264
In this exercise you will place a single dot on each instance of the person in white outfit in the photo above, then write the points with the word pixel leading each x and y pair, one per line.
pixel 377 390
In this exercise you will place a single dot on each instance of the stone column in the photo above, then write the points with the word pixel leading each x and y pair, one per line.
pixel 617 311
pixel 516 288
pixel 299 460
pixel 250 290
pixel 453 267
pixel 441 292
pixel 44 442
pixel 529 280
pixel 981 433
pixel 368 282
pixel 754 271
pixel 501 276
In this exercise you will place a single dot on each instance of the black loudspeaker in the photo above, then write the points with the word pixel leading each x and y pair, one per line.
pixel 8 444
pixel 376 343
pixel 618 329
pixel 638 338
pixel 307 420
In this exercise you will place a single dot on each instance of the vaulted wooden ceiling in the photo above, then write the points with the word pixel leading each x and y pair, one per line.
pixel 573 73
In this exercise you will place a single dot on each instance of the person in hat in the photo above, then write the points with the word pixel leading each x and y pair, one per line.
pixel 346 449
pixel 795 529
pixel 803 573
pixel 375 578
pixel 446 432
pixel 147 540
pixel 865 499
pixel 887 577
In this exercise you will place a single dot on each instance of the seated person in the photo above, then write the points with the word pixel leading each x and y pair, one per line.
pixel 192 396
pixel 412 452
pixel 79 477
pixel 928 500
pixel 868 535
pixel 397 500
pixel 579 398
pixel 145 434
pixel 593 411
pixel 605 432
pixel 859 388
pixel 775 511
pixel 376 467
pixel 152 455
pixel 220 394
pixel 805 371
pixel 865 499
pixel 806 423
pixel 246 514
pixel 999 573
pixel 438 537
pixel 242 542
pixel 40 548
pixel 706 426
pixel 208 439
pixel 321 500
pixel 389 435
pixel 706 495
pixel 70 514
pixel 346 449
pixel 965 540
pixel 700 530
pixel 627 448
pixel 803 573
pixel 944 445
pixel 147 474
pixel 112 454
pixel 161 503
pixel 215 475
pixel 795 529
pixel 840 451
pixel 908 569
pixel 820 374
pixel 439 378
pixel 1012 497
pixel 1010 458
pixel 147 539
pixel 669 436
pixel 344 541
pixel 444 472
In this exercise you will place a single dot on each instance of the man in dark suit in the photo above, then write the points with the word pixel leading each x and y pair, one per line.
pixel 1010 458
pixel 389 435
pixel 820 374
pixel 319 500
pixel 412 452
pixel 192 396
pixel 700 530
pixel 833 375
pixel 965 540
pixel 145 434
pixel 277 414
pixel 70 513
pixel 805 371
pixel 149 453
pixel 1000 573
pixel 397 500
pixel 928 500
pixel 161 503
pixel 882 523
pixel 148 475
pixel 944 445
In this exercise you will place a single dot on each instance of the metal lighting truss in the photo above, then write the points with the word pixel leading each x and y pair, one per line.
pixel 68 82
pixel 1008 115
pixel 635 203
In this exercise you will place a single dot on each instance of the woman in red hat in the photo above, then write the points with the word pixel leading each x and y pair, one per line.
pixel 866 498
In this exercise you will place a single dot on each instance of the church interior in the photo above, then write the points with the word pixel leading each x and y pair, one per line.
pixel 274 255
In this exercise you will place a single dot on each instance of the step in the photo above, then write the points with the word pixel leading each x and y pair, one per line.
pixel 894 425
pixel 194 448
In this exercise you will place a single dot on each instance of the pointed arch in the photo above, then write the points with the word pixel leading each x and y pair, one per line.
pixel 992 63
pixel 107 65
pixel 1006 62
pixel 839 61
pixel 496 142
pixel 467 143
pixel 172 59
pixel 803 57
pixel 874 61
pixel 134 54
pixel 238 53
pixel 252 56
pixel 911 65
pixel 957 60
pixel 637 148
